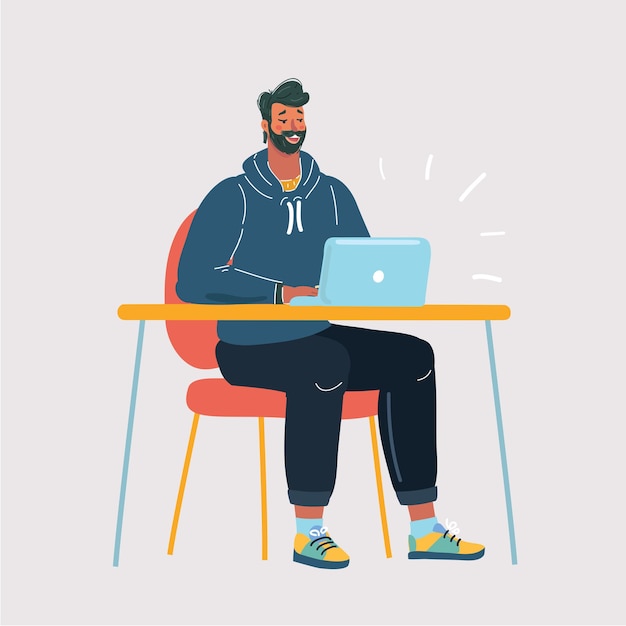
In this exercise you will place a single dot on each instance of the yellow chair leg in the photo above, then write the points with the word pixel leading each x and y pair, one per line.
pixel 263 489
pixel 379 486
pixel 183 482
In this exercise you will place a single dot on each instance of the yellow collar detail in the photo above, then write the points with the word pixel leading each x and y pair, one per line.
pixel 290 185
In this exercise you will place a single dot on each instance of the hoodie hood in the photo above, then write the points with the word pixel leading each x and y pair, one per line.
pixel 263 181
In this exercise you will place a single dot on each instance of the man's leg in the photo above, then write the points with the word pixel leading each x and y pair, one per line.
pixel 313 372
pixel 402 368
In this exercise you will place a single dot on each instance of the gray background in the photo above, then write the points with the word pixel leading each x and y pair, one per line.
pixel 118 117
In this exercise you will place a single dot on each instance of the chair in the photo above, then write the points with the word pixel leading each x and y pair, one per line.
pixel 195 342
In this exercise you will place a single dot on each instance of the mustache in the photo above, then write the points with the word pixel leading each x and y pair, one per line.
pixel 291 133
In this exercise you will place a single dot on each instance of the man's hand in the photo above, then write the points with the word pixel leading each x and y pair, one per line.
pixel 292 292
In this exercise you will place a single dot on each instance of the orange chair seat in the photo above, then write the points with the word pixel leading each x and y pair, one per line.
pixel 217 397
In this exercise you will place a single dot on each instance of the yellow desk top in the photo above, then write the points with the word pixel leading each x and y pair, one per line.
pixel 286 312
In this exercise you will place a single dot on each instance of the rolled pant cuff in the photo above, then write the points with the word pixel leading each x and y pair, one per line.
pixel 418 496
pixel 308 498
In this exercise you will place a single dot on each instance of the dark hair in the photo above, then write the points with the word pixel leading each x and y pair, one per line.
pixel 289 93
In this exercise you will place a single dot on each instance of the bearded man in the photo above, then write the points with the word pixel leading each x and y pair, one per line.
pixel 258 237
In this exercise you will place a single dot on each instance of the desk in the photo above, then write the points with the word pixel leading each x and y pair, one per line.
pixel 447 312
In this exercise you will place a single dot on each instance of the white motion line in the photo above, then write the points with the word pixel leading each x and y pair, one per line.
pixel 429 162
pixel 380 167
pixel 495 279
pixel 472 186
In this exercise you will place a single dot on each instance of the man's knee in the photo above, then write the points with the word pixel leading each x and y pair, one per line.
pixel 418 359
pixel 327 371
pixel 425 360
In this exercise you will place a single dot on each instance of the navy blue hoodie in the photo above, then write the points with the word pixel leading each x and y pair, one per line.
pixel 249 236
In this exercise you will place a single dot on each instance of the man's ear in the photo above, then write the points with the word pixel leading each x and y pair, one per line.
pixel 265 126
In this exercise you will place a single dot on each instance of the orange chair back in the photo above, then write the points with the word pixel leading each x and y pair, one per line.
pixel 194 341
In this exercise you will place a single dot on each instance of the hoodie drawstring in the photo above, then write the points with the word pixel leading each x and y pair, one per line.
pixel 298 216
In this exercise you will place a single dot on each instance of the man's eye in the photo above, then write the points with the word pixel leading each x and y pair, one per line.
pixel 283 121
pixel 301 119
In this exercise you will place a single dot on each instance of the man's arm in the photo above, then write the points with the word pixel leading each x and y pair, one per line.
pixel 205 272
pixel 349 219
pixel 291 292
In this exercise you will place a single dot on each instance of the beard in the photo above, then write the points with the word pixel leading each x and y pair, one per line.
pixel 283 145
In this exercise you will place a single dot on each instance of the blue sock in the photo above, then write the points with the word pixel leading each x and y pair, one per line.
pixel 304 524
pixel 421 527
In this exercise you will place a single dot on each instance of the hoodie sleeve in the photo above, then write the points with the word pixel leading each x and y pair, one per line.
pixel 347 215
pixel 204 273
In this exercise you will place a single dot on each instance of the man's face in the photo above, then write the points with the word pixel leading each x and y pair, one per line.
pixel 286 129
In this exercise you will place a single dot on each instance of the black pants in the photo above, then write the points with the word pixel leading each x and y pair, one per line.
pixel 315 372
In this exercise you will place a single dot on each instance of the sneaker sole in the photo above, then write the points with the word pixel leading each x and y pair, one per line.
pixel 446 556
pixel 307 560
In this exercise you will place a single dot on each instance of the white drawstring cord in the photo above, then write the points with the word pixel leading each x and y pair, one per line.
pixel 290 224
pixel 299 215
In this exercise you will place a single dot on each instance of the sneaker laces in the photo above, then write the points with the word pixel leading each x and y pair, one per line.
pixel 447 532
pixel 452 527
pixel 321 541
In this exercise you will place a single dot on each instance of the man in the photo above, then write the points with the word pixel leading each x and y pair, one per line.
pixel 258 237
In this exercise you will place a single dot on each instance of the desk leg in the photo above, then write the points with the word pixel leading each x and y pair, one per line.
pixel 129 436
pixel 505 471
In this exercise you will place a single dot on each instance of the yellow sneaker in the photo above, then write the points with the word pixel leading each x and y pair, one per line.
pixel 319 550
pixel 440 544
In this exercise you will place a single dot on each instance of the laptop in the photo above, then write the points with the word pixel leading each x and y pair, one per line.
pixel 372 271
